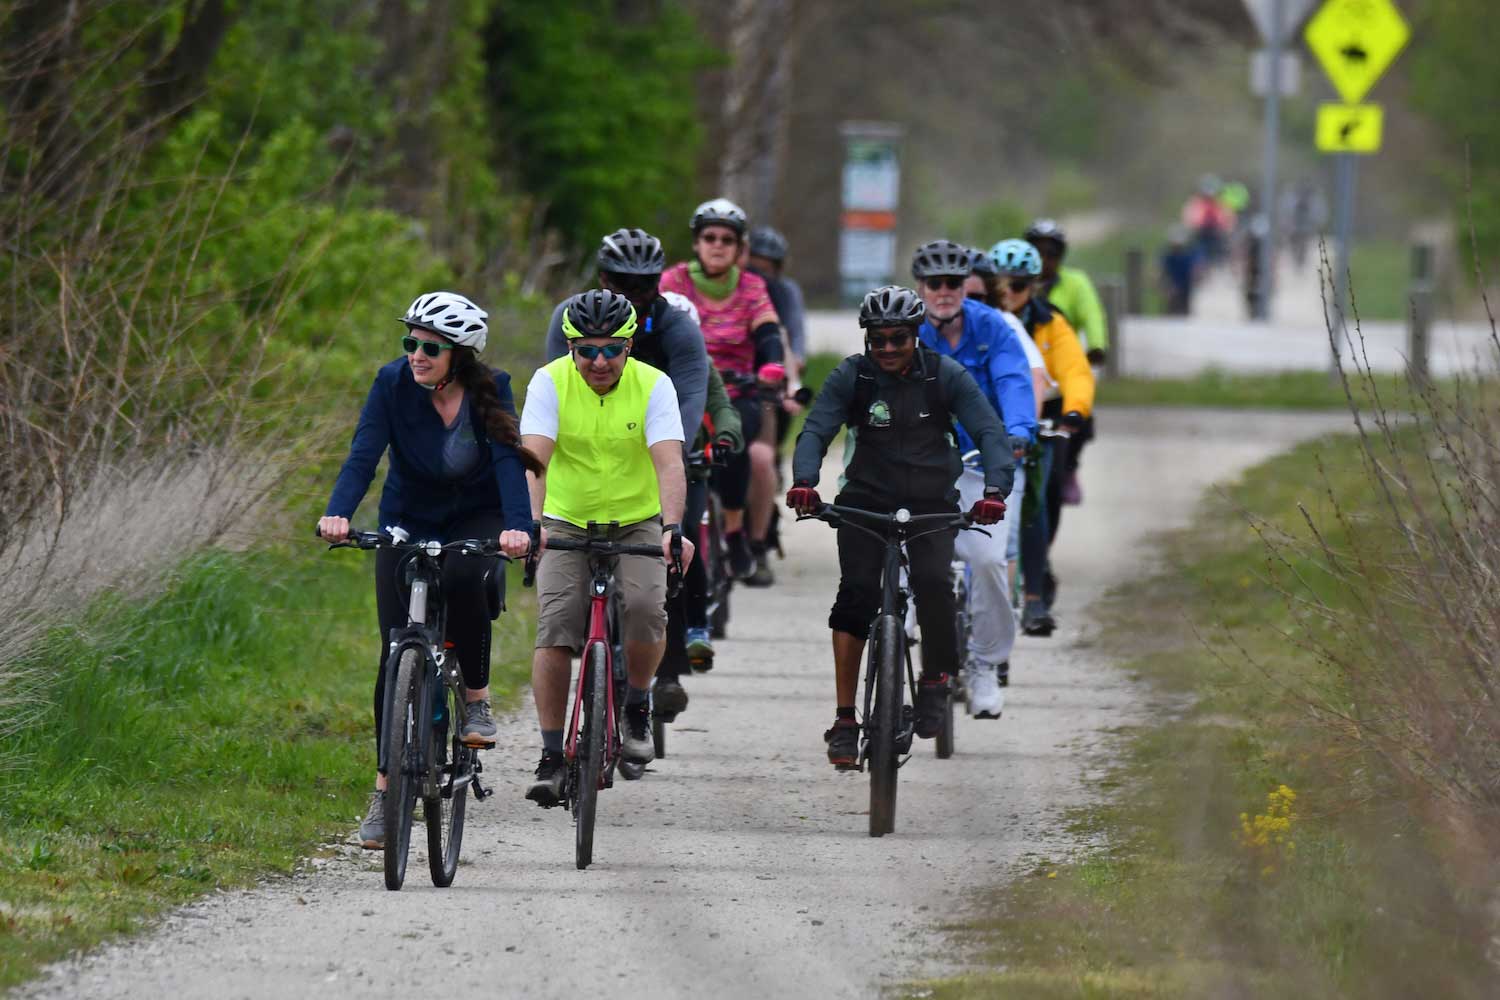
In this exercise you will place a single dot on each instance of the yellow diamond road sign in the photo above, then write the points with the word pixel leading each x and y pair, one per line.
pixel 1356 40
pixel 1349 128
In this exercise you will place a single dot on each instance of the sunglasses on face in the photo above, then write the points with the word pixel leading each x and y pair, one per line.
pixel 1018 284
pixel 949 282
pixel 630 285
pixel 431 348
pixel 589 352
pixel 719 239
pixel 896 340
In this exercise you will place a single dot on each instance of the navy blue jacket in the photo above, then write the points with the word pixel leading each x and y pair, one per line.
pixel 399 416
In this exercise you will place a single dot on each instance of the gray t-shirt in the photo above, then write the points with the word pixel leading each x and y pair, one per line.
pixel 460 448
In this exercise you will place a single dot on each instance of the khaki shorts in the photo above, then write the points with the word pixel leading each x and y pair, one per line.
pixel 562 588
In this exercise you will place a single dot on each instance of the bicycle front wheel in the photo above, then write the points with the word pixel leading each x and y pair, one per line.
pixel 882 729
pixel 445 810
pixel 590 762
pixel 401 758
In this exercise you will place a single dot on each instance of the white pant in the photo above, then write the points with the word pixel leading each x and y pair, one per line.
pixel 993 629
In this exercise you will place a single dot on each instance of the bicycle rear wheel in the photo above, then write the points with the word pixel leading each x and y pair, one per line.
pixel 590 763
pixel 401 757
pixel 445 813
pixel 882 728
pixel 717 569
pixel 943 745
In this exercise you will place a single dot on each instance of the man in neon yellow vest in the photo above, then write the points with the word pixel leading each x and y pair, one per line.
pixel 608 434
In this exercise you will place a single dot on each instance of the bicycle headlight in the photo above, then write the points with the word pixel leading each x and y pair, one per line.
pixel 434 549
pixel 903 516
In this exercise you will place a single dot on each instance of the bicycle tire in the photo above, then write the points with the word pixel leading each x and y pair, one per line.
pixel 445 815
pixel 885 723
pixel 943 745
pixel 659 735
pixel 590 754
pixel 401 787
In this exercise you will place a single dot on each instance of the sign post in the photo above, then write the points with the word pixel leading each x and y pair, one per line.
pixel 872 194
pixel 1274 19
pixel 1355 41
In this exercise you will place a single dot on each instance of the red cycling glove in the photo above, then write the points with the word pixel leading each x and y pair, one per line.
pixel 987 511
pixel 803 499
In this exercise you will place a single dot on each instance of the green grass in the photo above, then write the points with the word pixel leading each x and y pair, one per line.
pixel 1214 388
pixel 1354 900
pixel 212 735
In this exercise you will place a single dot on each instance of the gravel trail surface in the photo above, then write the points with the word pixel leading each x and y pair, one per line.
pixel 740 865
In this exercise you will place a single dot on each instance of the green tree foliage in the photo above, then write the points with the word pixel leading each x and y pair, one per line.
pixel 596 100
pixel 1455 80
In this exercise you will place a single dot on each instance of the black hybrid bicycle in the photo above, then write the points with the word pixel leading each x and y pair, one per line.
pixel 422 752
pixel 889 719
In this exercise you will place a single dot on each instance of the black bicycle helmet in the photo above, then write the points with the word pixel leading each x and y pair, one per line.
pixel 939 258
pixel 1046 229
pixel 631 251
pixel 719 212
pixel 598 313
pixel 982 265
pixel 768 243
pixel 891 306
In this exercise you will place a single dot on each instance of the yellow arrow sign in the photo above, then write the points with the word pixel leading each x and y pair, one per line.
pixel 1350 128
pixel 1356 40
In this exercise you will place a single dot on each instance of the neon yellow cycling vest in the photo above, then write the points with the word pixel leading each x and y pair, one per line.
pixel 601 467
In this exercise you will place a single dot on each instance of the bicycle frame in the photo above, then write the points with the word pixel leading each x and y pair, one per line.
pixel 601 590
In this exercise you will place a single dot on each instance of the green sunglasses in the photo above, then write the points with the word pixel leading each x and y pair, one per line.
pixel 431 348
pixel 591 351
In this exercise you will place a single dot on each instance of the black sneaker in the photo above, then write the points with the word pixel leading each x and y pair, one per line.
pixel 547 789
pixel 741 559
pixel 669 697
pixel 636 744
pixel 843 744
pixel 1036 619
pixel 932 703
pixel 1002 673
pixel 762 577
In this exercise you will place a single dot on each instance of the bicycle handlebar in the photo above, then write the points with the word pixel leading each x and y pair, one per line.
pixel 605 547
pixel 381 540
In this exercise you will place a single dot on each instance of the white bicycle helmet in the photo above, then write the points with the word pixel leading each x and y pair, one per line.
pixel 451 315
pixel 719 212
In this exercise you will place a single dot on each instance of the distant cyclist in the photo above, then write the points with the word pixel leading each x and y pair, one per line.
pixel 744 338
pixel 456 469
pixel 898 401
pixel 767 258
pixel 1020 265
pixel 608 434
pixel 984 285
pixel 667 338
pixel 976 336
pixel 1070 290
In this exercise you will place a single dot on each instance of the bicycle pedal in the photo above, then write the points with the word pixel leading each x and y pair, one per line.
pixel 480 792
pixel 474 743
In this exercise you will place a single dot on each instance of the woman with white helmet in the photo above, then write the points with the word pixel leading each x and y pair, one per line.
pixel 456 469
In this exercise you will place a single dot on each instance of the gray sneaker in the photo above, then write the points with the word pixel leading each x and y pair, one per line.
pixel 372 830
pixel 479 725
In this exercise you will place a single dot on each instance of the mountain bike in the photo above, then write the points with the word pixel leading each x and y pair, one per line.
pixel 422 753
pixel 889 720
pixel 593 742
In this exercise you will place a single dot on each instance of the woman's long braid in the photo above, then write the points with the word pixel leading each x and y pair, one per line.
pixel 479 382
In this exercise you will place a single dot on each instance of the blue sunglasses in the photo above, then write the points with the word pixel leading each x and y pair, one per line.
pixel 591 351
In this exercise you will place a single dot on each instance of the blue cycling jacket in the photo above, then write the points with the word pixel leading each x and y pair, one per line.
pixel 991 353
pixel 398 415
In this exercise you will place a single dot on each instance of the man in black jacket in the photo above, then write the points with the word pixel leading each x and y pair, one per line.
pixel 898 400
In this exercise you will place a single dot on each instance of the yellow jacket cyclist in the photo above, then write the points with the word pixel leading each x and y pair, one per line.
pixel 607 431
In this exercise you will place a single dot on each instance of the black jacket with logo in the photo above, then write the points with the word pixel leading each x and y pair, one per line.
pixel 904 451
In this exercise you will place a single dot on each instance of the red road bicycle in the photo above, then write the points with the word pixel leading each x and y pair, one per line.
pixel 593 741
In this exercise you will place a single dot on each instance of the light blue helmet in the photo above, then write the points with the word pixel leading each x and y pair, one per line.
pixel 1016 258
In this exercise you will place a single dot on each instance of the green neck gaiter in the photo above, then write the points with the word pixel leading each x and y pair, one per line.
pixel 717 289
